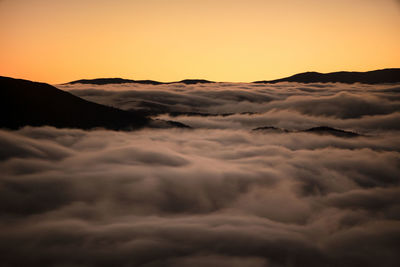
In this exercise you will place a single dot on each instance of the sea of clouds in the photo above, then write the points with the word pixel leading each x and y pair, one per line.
pixel 218 194
pixel 357 107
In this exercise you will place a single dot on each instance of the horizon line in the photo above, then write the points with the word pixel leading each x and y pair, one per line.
pixel 203 79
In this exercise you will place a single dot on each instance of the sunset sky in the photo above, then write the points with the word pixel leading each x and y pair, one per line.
pixel 222 40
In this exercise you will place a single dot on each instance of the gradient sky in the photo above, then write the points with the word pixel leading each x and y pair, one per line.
pixel 222 40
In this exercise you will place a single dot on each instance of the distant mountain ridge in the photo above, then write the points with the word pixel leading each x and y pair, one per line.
pixel 391 75
pixel 369 77
pixel 103 81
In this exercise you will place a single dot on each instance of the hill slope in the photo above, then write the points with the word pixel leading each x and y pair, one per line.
pixel 24 103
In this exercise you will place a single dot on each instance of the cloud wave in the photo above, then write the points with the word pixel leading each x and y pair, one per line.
pixel 218 194
pixel 194 197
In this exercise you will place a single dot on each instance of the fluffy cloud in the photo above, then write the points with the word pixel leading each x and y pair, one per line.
pixel 361 108
pixel 218 194
pixel 194 197
pixel 328 100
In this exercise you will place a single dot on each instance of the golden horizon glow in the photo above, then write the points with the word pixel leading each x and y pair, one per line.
pixel 220 40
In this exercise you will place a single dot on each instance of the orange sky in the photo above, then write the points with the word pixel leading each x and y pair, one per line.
pixel 58 41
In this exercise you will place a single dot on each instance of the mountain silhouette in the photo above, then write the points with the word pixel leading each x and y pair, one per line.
pixel 31 103
pixel 103 81
pixel 324 130
pixel 194 81
pixel 270 129
pixel 370 77
pixel 321 130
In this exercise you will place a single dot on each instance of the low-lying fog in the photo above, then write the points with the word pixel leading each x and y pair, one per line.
pixel 219 194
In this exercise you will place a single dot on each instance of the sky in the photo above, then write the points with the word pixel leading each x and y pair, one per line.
pixel 221 40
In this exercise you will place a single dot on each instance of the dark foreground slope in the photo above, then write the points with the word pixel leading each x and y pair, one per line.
pixel 370 77
pixel 24 103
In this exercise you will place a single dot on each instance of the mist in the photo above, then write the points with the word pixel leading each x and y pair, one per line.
pixel 358 107
pixel 219 194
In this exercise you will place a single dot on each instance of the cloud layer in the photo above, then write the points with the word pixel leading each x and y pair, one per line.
pixel 198 197
pixel 216 195
pixel 357 107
